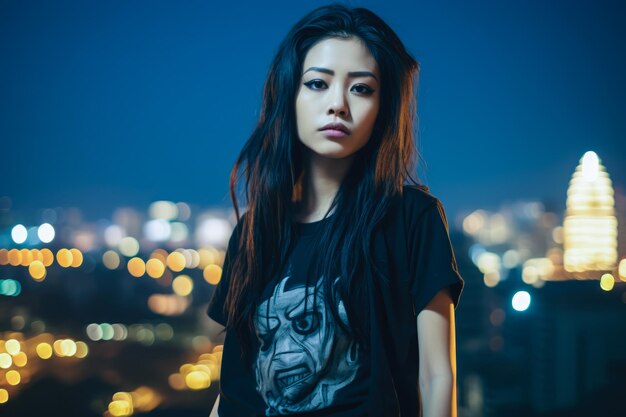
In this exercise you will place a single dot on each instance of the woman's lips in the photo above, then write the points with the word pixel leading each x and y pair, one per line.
pixel 334 133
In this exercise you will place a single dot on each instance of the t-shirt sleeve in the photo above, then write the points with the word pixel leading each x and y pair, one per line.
pixel 218 298
pixel 433 265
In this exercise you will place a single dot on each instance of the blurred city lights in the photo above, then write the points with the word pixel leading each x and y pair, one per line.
pixel 94 332
pixel 497 317
pixel 82 350
pixel 168 305
pixel 12 347
pixel 120 332
pixel 111 259
pixel 136 267
pixel 13 377
pixel 10 287
pixel 4 396
pixel 212 274
pixel 64 258
pixel 155 268
pixel 607 281
pixel 163 210
pixel 27 257
pixel 107 331
pixel 77 258
pixel 157 230
pixel 488 262
pixel 590 226
pixel 37 270
pixel 511 258
pixel 491 278
pixel 19 234
pixel 48 257
pixel 176 261
pixel 128 246
pixel 143 399
pixel 44 350
pixel 208 256
pixel 20 359
pixel 45 232
pixel 521 300
pixel 164 331
pixel 113 235
pixel 213 231
pixel 5 360
pixel 182 285
pixel 180 232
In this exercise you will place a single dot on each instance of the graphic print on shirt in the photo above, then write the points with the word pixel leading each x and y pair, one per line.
pixel 304 356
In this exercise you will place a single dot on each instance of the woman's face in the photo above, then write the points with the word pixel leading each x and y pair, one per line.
pixel 339 84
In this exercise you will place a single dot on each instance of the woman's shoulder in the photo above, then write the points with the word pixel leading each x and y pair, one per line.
pixel 409 206
pixel 416 198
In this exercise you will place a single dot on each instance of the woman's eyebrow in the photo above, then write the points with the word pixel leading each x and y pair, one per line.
pixel 350 74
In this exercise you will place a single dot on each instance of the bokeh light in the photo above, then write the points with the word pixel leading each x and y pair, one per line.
pixel 136 267
pixel 12 347
pixel 37 270
pixel 44 350
pixel 176 261
pixel 607 282
pixel 212 274
pixel 13 377
pixel 45 232
pixel 182 285
pixel 77 257
pixel 64 258
pixel 19 234
pixel 128 246
pixel 521 301
pixel 111 259
pixel 155 268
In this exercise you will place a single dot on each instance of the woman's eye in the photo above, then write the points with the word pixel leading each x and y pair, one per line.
pixel 365 89
pixel 315 83
pixel 359 88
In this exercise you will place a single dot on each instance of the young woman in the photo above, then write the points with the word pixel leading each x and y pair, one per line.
pixel 339 283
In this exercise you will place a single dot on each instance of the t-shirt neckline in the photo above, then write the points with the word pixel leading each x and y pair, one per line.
pixel 308 229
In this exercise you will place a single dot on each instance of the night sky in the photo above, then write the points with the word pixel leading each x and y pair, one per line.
pixel 119 103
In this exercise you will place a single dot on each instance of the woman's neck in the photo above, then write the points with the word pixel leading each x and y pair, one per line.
pixel 321 181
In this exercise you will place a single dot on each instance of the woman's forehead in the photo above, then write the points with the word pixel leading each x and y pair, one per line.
pixel 340 55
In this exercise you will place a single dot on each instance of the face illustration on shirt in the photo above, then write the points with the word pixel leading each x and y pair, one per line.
pixel 304 357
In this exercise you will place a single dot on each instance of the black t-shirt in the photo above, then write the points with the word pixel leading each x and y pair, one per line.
pixel 305 365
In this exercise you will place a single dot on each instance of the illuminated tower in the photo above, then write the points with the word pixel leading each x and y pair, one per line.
pixel 590 226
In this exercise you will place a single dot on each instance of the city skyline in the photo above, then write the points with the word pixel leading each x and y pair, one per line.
pixel 113 104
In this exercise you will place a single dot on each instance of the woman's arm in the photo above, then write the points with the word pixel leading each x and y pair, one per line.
pixel 216 334
pixel 437 357
pixel 214 410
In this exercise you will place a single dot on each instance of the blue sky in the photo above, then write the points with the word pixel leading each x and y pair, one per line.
pixel 116 103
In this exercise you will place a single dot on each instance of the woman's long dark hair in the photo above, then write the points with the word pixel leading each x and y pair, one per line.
pixel 272 163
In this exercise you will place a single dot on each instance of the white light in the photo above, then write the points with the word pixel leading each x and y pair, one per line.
pixel 488 262
pixel 45 233
pixel 475 251
pixel 213 232
pixel 179 232
pixel 521 301
pixel 129 246
pixel 112 235
pixel 511 258
pixel 157 230
pixel 163 210
pixel 94 332
pixel 591 166
pixel 19 234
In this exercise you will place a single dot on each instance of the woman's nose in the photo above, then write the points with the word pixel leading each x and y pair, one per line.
pixel 338 103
